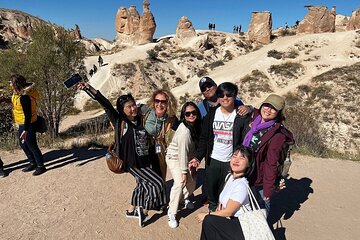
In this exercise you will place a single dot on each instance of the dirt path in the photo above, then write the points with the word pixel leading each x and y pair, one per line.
pixel 78 198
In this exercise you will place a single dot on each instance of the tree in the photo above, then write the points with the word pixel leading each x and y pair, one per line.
pixel 52 57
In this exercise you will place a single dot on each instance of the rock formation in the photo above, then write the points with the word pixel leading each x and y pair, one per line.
pixel 318 20
pixel 185 29
pixel 341 23
pixel 354 22
pixel 132 28
pixel 260 28
pixel 16 25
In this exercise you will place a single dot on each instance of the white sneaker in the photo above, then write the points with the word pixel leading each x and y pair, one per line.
pixel 188 204
pixel 172 220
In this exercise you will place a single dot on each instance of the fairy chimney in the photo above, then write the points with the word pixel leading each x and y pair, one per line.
pixel 131 28
pixel 318 20
pixel 260 28
pixel 185 29
pixel 354 22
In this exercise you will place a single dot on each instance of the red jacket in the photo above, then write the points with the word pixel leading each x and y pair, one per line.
pixel 268 155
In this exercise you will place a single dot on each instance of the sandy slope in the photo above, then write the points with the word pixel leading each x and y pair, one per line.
pixel 78 198
pixel 334 50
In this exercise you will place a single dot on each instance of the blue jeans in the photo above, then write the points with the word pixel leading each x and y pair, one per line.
pixel 30 146
pixel 259 195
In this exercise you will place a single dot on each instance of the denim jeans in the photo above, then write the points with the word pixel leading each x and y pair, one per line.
pixel 259 195
pixel 30 146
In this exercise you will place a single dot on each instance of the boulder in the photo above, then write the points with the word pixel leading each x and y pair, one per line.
pixel 341 23
pixel 354 22
pixel 318 20
pixel 260 28
pixel 185 29
pixel 147 25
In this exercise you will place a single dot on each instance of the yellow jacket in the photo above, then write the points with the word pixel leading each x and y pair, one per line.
pixel 19 116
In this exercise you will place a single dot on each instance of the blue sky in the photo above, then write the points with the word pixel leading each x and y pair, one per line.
pixel 97 18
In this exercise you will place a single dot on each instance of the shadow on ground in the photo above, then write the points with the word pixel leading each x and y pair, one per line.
pixel 286 202
pixel 60 158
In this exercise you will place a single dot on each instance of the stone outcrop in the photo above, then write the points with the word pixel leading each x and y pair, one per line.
pixel 341 22
pixel 75 33
pixel 260 28
pixel 133 29
pixel 354 22
pixel 318 20
pixel 185 29
pixel 16 25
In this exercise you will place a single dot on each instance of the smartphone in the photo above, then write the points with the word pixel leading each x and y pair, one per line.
pixel 74 79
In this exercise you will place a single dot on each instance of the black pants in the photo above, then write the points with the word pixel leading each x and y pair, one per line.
pixel 221 228
pixel 215 179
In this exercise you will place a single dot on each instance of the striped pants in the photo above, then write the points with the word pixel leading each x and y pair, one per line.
pixel 149 192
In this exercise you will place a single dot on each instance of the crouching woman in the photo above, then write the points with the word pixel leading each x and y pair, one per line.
pixel 132 143
pixel 223 224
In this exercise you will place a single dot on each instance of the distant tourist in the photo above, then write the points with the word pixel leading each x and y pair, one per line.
pixel 91 72
pixel 100 61
pixel 239 28
pixel 94 68
pixel 25 99
pixel 286 25
pixel 297 23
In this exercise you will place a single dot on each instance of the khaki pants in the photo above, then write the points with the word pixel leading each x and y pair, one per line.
pixel 178 192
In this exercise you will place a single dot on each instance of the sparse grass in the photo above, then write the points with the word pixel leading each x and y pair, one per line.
pixel 287 70
pixel 228 56
pixel 216 64
pixel 292 54
pixel 152 54
pixel 91 105
pixel 275 54
pixel 201 72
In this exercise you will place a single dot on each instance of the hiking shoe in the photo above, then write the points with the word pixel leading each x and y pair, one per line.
pixel 132 214
pixel 172 220
pixel 39 171
pixel 189 204
pixel 142 216
pixel 29 168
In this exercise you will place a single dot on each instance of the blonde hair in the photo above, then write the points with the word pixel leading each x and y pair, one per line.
pixel 172 103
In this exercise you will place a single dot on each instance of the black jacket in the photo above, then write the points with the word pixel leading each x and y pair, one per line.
pixel 206 141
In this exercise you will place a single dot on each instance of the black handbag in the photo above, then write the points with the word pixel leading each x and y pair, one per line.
pixel 41 126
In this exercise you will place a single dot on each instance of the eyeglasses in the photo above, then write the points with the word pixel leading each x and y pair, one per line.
pixel 205 86
pixel 229 95
pixel 160 101
pixel 188 114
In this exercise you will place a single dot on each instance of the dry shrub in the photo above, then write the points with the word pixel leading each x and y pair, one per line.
pixel 275 54
pixel 292 54
pixel 306 130
pixel 287 70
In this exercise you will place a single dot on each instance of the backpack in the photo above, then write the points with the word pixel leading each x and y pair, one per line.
pixel 284 163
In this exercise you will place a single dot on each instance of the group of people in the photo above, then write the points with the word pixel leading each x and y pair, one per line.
pixel 232 138
pixel 93 70
pixel 240 144
pixel 212 26
pixel 237 29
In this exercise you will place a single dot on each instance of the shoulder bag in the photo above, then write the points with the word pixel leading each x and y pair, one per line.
pixel 113 161
pixel 253 222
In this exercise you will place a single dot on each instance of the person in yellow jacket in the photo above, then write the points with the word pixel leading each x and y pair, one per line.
pixel 25 99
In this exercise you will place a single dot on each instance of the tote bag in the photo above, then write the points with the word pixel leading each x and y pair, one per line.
pixel 253 222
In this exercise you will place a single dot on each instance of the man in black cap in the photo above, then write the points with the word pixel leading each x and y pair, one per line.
pixel 210 102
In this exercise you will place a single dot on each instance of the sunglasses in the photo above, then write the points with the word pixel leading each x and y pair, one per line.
pixel 229 95
pixel 205 86
pixel 188 114
pixel 159 101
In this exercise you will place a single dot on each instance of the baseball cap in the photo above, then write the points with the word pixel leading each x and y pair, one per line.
pixel 276 101
pixel 206 81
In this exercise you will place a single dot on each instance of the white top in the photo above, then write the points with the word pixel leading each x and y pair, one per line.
pixel 236 190
pixel 223 135
pixel 181 148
